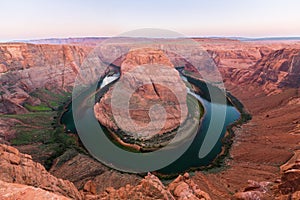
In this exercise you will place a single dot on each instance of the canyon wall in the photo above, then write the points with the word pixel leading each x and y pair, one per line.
pixel 263 75
pixel 24 68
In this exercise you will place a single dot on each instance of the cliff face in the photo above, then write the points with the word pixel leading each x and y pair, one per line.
pixel 276 70
pixel 238 58
pixel 16 167
pixel 149 78
pixel 281 67
pixel 27 67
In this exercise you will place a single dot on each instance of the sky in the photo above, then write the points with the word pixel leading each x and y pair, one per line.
pixel 33 19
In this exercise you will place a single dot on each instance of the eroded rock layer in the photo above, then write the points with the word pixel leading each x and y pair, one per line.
pixel 16 167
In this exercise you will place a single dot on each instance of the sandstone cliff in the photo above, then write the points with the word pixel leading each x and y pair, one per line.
pixel 276 70
pixel 27 67
pixel 16 167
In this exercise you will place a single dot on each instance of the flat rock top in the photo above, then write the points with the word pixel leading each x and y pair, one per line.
pixel 145 56
pixel 149 98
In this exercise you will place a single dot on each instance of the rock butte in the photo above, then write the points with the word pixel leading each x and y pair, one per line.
pixel 150 79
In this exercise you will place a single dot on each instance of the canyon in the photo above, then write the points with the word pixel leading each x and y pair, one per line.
pixel 36 79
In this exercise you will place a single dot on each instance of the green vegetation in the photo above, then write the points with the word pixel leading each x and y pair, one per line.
pixel 40 127
pixel 39 108
pixel 63 142
pixel 52 100
pixel 245 116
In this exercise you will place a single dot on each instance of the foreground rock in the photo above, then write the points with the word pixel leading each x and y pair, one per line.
pixel 182 188
pixel 21 178
pixel 185 188
pixel 254 191
pixel 13 191
pixel 16 167
pixel 290 178
pixel 149 79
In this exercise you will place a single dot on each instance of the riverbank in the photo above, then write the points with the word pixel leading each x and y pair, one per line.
pixel 219 162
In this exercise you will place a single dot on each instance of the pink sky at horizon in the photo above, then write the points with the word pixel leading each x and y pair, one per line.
pixel 33 19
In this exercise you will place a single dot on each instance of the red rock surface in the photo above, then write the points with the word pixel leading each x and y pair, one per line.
pixel 150 79
pixel 254 190
pixel 27 67
pixel 14 191
pixel 16 167
pixel 272 72
pixel 253 72
pixel 152 188
pixel 290 178
pixel 25 179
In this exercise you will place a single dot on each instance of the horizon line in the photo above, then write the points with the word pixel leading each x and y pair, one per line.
pixel 242 38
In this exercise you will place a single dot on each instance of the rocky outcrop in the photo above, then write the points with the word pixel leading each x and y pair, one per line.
pixel 152 188
pixel 290 178
pixel 148 79
pixel 249 195
pixel 13 191
pixel 16 167
pixel 144 56
pixel 149 188
pixel 184 188
pixel 254 191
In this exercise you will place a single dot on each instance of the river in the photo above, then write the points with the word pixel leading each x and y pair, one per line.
pixel 208 130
